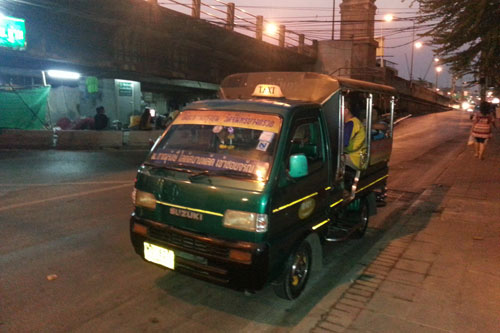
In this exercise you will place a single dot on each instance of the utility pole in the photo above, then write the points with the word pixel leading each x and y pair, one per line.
pixel 412 51
pixel 333 21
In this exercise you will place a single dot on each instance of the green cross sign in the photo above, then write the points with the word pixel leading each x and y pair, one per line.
pixel 12 33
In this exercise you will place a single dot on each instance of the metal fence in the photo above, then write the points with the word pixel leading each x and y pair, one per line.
pixel 232 18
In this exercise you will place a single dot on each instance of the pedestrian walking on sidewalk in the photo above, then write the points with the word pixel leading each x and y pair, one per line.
pixel 482 125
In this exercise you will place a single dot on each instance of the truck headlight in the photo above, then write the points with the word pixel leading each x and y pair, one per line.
pixel 245 221
pixel 144 199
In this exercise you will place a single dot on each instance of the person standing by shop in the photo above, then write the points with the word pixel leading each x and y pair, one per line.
pixel 100 119
pixel 482 125
pixel 146 119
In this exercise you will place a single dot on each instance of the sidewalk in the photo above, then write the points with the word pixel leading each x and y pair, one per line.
pixel 438 268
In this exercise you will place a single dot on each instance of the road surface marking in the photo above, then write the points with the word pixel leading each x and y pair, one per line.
pixel 63 184
pixel 66 196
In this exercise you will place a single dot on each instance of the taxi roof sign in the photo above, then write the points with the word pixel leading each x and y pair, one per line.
pixel 268 90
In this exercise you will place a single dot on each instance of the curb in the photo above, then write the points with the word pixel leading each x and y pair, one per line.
pixel 340 308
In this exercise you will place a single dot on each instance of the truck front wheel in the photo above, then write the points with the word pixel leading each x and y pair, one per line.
pixel 297 271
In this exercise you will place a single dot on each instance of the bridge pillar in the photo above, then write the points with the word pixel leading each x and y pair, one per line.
pixel 301 43
pixel 358 25
pixel 196 9
pixel 282 36
pixel 315 46
pixel 230 17
pixel 259 27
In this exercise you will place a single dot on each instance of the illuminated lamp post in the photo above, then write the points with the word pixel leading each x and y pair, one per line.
pixel 271 29
pixel 439 69
pixel 415 45
pixel 387 18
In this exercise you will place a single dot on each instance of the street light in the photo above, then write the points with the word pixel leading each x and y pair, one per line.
pixel 438 70
pixel 271 29
pixel 65 75
pixel 380 52
pixel 414 45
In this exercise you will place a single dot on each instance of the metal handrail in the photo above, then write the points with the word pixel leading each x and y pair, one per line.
pixel 212 15
pixel 249 25
pixel 180 3
pixel 214 8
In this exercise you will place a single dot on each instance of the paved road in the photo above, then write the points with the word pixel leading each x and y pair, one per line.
pixel 66 263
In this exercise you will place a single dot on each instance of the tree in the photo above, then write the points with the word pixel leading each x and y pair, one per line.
pixel 467 36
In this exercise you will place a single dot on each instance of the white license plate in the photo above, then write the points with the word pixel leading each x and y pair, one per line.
pixel 159 255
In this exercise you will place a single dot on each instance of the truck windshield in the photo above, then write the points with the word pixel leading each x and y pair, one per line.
pixel 243 143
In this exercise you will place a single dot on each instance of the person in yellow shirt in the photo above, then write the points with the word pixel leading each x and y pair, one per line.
pixel 354 140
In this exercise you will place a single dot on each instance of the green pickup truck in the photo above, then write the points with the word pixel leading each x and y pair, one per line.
pixel 244 190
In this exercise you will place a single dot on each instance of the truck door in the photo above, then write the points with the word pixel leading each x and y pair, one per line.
pixel 302 201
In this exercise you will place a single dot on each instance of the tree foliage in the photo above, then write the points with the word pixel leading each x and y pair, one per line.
pixel 466 34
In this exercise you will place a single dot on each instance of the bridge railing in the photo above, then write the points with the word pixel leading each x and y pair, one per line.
pixel 239 20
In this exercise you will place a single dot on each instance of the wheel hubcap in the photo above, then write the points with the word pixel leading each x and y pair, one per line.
pixel 300 268
pixel 364 217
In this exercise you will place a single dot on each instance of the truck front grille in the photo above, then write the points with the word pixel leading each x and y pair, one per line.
pixel 187 243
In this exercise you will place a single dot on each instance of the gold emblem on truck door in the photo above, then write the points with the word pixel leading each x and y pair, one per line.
pixel 306 208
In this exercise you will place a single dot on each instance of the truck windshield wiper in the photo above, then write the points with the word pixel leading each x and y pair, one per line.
pixel 167 167
pixel 199 174
pixel 229 173
pixel 238 174
pixel 204 173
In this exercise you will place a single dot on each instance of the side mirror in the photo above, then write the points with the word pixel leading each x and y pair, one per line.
pixel 298 166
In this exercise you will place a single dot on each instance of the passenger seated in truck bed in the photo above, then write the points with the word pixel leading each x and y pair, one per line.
pixel 354 140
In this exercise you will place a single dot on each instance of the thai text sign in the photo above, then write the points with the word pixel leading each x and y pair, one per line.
pixel 125 89
pixel 209 161
pixel 256 121
pixel 12 33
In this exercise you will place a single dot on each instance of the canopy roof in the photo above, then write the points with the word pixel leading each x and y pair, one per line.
pixel 300 86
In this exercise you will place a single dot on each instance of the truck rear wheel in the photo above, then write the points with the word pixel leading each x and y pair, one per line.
pixel 297 271
pixel 364 217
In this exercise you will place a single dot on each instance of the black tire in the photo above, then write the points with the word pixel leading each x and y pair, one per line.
pixel 297 270
pixel 364 218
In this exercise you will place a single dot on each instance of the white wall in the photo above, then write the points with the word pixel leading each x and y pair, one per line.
pixel 75 102
pixel 125 104
pixel 63 102
pixel 334 57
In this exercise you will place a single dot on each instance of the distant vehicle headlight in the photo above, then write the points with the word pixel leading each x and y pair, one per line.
pixel 245 221
pixel 144 199
pixel 465 106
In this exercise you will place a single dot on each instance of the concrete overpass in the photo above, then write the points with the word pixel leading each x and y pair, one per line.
pixel 172 58
pixel 139 40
